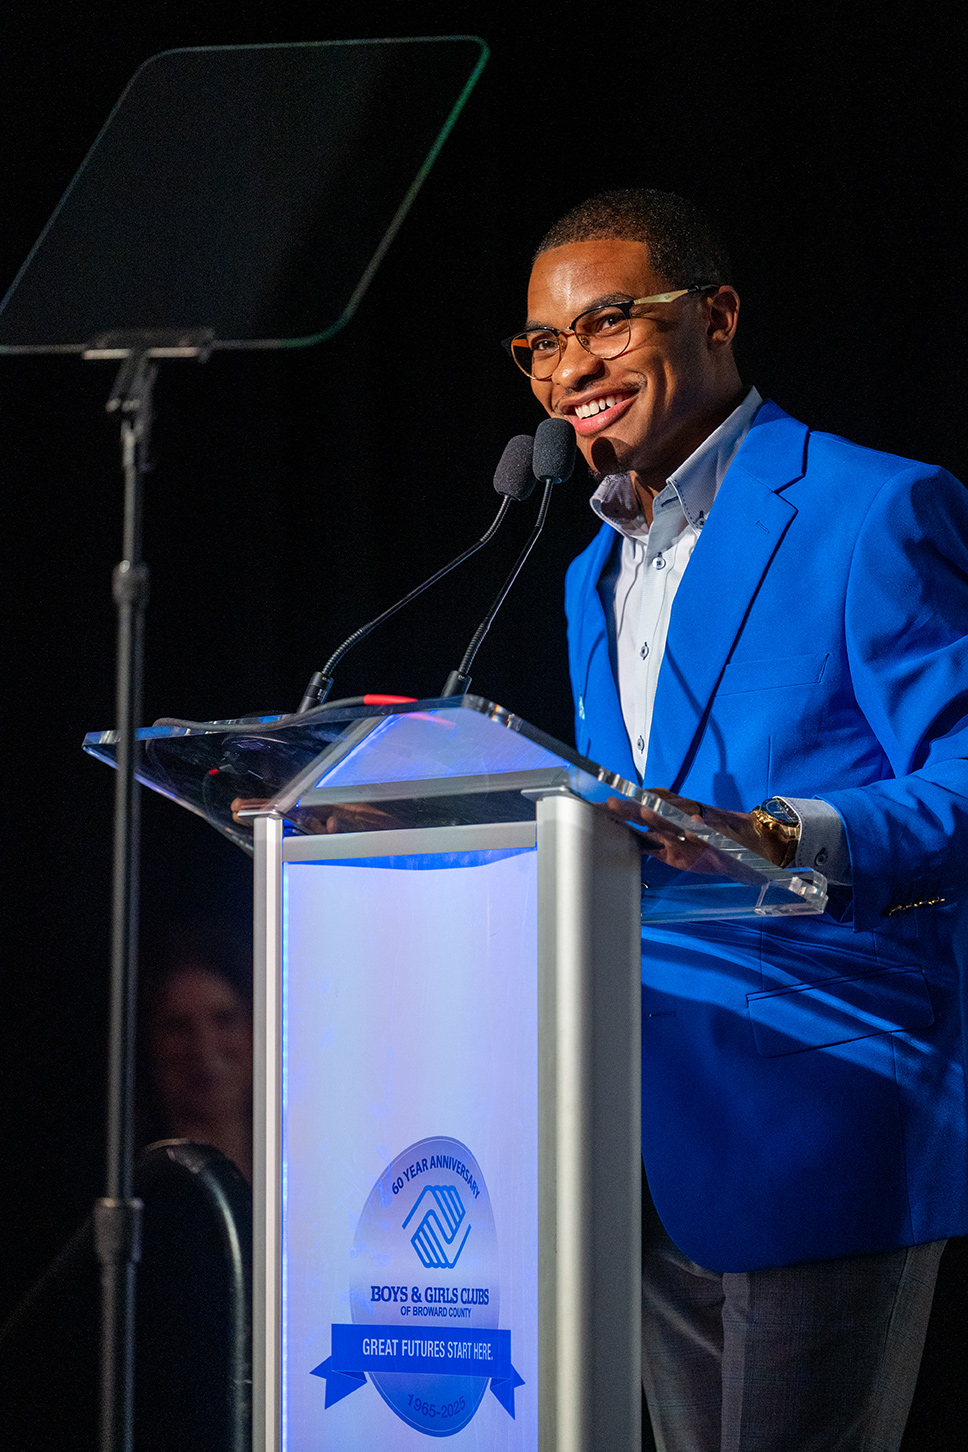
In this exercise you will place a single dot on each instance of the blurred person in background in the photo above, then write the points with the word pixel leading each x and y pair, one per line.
pixel 197 1042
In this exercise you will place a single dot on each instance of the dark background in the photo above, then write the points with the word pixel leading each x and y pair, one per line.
pixel 296 494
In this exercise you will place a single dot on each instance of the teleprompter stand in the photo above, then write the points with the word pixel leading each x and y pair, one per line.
pixel 158 229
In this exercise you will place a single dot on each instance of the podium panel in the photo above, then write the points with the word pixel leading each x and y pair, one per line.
pixel 410 1146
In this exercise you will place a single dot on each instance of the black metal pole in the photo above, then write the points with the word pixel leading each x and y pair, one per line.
pixel 117 1216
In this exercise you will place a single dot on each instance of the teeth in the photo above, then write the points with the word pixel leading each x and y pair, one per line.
pixel 597 405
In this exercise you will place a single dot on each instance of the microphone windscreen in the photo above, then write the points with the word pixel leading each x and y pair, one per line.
pixel 513 475
pixel 554 450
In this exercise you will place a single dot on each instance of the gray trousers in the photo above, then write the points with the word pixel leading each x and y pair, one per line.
pixel 820 1357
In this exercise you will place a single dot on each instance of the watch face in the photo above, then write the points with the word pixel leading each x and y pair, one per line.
pixel 778 808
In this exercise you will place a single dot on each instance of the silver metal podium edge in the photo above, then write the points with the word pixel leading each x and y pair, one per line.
pixel 267 1124
pixel 589 1088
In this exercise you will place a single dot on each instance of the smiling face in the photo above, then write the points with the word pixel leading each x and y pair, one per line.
pixel 647 410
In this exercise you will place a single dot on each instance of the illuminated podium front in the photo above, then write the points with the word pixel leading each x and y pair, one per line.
pixel 447 1069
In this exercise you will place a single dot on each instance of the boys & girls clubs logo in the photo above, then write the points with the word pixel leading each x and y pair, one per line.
pixel 424 1295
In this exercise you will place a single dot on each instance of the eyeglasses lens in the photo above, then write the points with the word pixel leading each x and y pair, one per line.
pixel 536 353
pixel 604 332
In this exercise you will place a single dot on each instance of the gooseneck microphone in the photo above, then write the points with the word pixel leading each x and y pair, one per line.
pixel 553 462
pixel 514 479
pixel 514 476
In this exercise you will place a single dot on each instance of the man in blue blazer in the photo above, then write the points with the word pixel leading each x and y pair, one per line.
pixel 803 686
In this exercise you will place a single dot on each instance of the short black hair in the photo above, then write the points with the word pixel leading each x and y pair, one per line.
pixel 684 247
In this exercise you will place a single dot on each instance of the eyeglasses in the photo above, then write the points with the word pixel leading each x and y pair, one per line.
pixel 605 332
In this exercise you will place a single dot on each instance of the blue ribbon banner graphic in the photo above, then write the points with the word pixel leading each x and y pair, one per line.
pixel 360 1349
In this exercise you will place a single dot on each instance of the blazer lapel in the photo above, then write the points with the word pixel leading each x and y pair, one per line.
pixel 586 616
pixel 734 551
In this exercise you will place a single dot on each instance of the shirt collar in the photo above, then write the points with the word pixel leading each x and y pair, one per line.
pixel 696 481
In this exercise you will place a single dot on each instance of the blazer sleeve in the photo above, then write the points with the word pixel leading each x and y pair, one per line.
pixel 907 644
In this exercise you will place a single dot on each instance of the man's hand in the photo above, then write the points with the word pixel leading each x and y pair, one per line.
pixel 681 849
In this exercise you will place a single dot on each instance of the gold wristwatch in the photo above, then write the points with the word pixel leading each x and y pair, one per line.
pixel 781 826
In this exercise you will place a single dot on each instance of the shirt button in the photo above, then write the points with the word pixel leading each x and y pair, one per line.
pixel 644 651
pixel 640 744
pixel 659 562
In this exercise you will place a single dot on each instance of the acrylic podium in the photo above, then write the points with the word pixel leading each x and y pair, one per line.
pixel 448 1060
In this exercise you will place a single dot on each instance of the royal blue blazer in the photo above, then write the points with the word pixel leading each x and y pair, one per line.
pixel 804 1079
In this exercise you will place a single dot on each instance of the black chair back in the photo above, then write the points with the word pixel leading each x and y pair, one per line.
pixel 193 1376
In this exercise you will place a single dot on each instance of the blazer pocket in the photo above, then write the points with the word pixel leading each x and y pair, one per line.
pixel 839 1010
pixel 766 675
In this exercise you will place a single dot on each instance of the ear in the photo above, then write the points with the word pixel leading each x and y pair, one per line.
pixel 722 316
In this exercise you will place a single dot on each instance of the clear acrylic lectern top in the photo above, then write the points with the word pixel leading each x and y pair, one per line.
pixel 441 762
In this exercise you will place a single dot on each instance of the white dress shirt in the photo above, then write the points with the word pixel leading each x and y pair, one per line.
pixel 639 586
